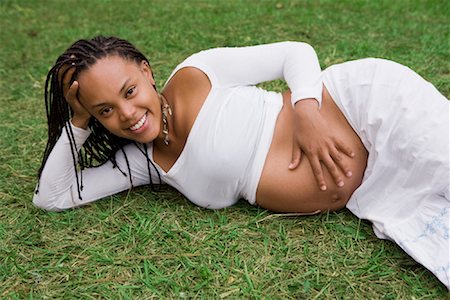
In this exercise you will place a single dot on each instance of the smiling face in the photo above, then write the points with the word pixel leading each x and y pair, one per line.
pixel 119 93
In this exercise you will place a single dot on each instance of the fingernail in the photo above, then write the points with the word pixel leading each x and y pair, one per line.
pixel 349 173
pixel 323 187
pixel 353 154
pixel 340 183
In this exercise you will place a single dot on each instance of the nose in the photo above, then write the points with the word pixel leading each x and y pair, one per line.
pixel 127 111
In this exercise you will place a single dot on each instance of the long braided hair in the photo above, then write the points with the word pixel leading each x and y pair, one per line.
pixel 101 145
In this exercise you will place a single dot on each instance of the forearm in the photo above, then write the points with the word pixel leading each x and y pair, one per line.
pixel 61 186
pixel 295 62
pixel 59 182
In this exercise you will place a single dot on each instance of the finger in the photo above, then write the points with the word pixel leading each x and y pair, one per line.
pixel 65 74
pixel 341 146
pixel 338 159
pixel 296 156
pixel 318 173
pixel 71 95
pixel 334 171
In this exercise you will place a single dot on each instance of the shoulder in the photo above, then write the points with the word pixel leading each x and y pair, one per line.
pixel 188 80
pixel 188 85
pixel 186 91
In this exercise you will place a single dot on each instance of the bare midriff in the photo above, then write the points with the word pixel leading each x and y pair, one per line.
pixel 284 190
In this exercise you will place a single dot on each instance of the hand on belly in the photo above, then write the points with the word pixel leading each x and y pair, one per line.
pixel 284 190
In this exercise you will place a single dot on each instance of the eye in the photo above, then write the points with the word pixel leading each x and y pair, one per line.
pixel 130 92
pixel 105 111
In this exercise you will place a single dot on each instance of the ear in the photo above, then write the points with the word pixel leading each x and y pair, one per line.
pixel 145 68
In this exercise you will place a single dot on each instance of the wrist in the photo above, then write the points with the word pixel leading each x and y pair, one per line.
pixel 306 106
pixel 80 122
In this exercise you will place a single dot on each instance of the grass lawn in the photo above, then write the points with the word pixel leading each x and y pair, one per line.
pixel 144 245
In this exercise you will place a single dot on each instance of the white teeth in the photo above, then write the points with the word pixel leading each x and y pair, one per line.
pixel 139 124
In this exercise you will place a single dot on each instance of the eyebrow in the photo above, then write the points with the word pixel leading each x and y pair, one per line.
pixel 125 84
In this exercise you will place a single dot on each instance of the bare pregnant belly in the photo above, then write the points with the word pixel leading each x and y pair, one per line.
pixel 284 190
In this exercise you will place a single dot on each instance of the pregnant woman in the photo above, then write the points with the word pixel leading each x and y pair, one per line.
pixel 373 134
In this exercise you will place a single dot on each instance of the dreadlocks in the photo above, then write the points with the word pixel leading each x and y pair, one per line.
pixel 101 145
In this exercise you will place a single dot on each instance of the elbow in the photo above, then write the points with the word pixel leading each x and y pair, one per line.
pixel 46 205
pixel 302 46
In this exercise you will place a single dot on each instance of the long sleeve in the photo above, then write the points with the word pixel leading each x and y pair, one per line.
pixel 295 62
pixel 58 183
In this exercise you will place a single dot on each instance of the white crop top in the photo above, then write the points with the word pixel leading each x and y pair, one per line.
pixel 226 148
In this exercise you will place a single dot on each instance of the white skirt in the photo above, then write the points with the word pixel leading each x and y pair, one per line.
pixel 403 121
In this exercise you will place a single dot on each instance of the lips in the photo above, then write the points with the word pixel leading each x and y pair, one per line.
pixel 139 124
